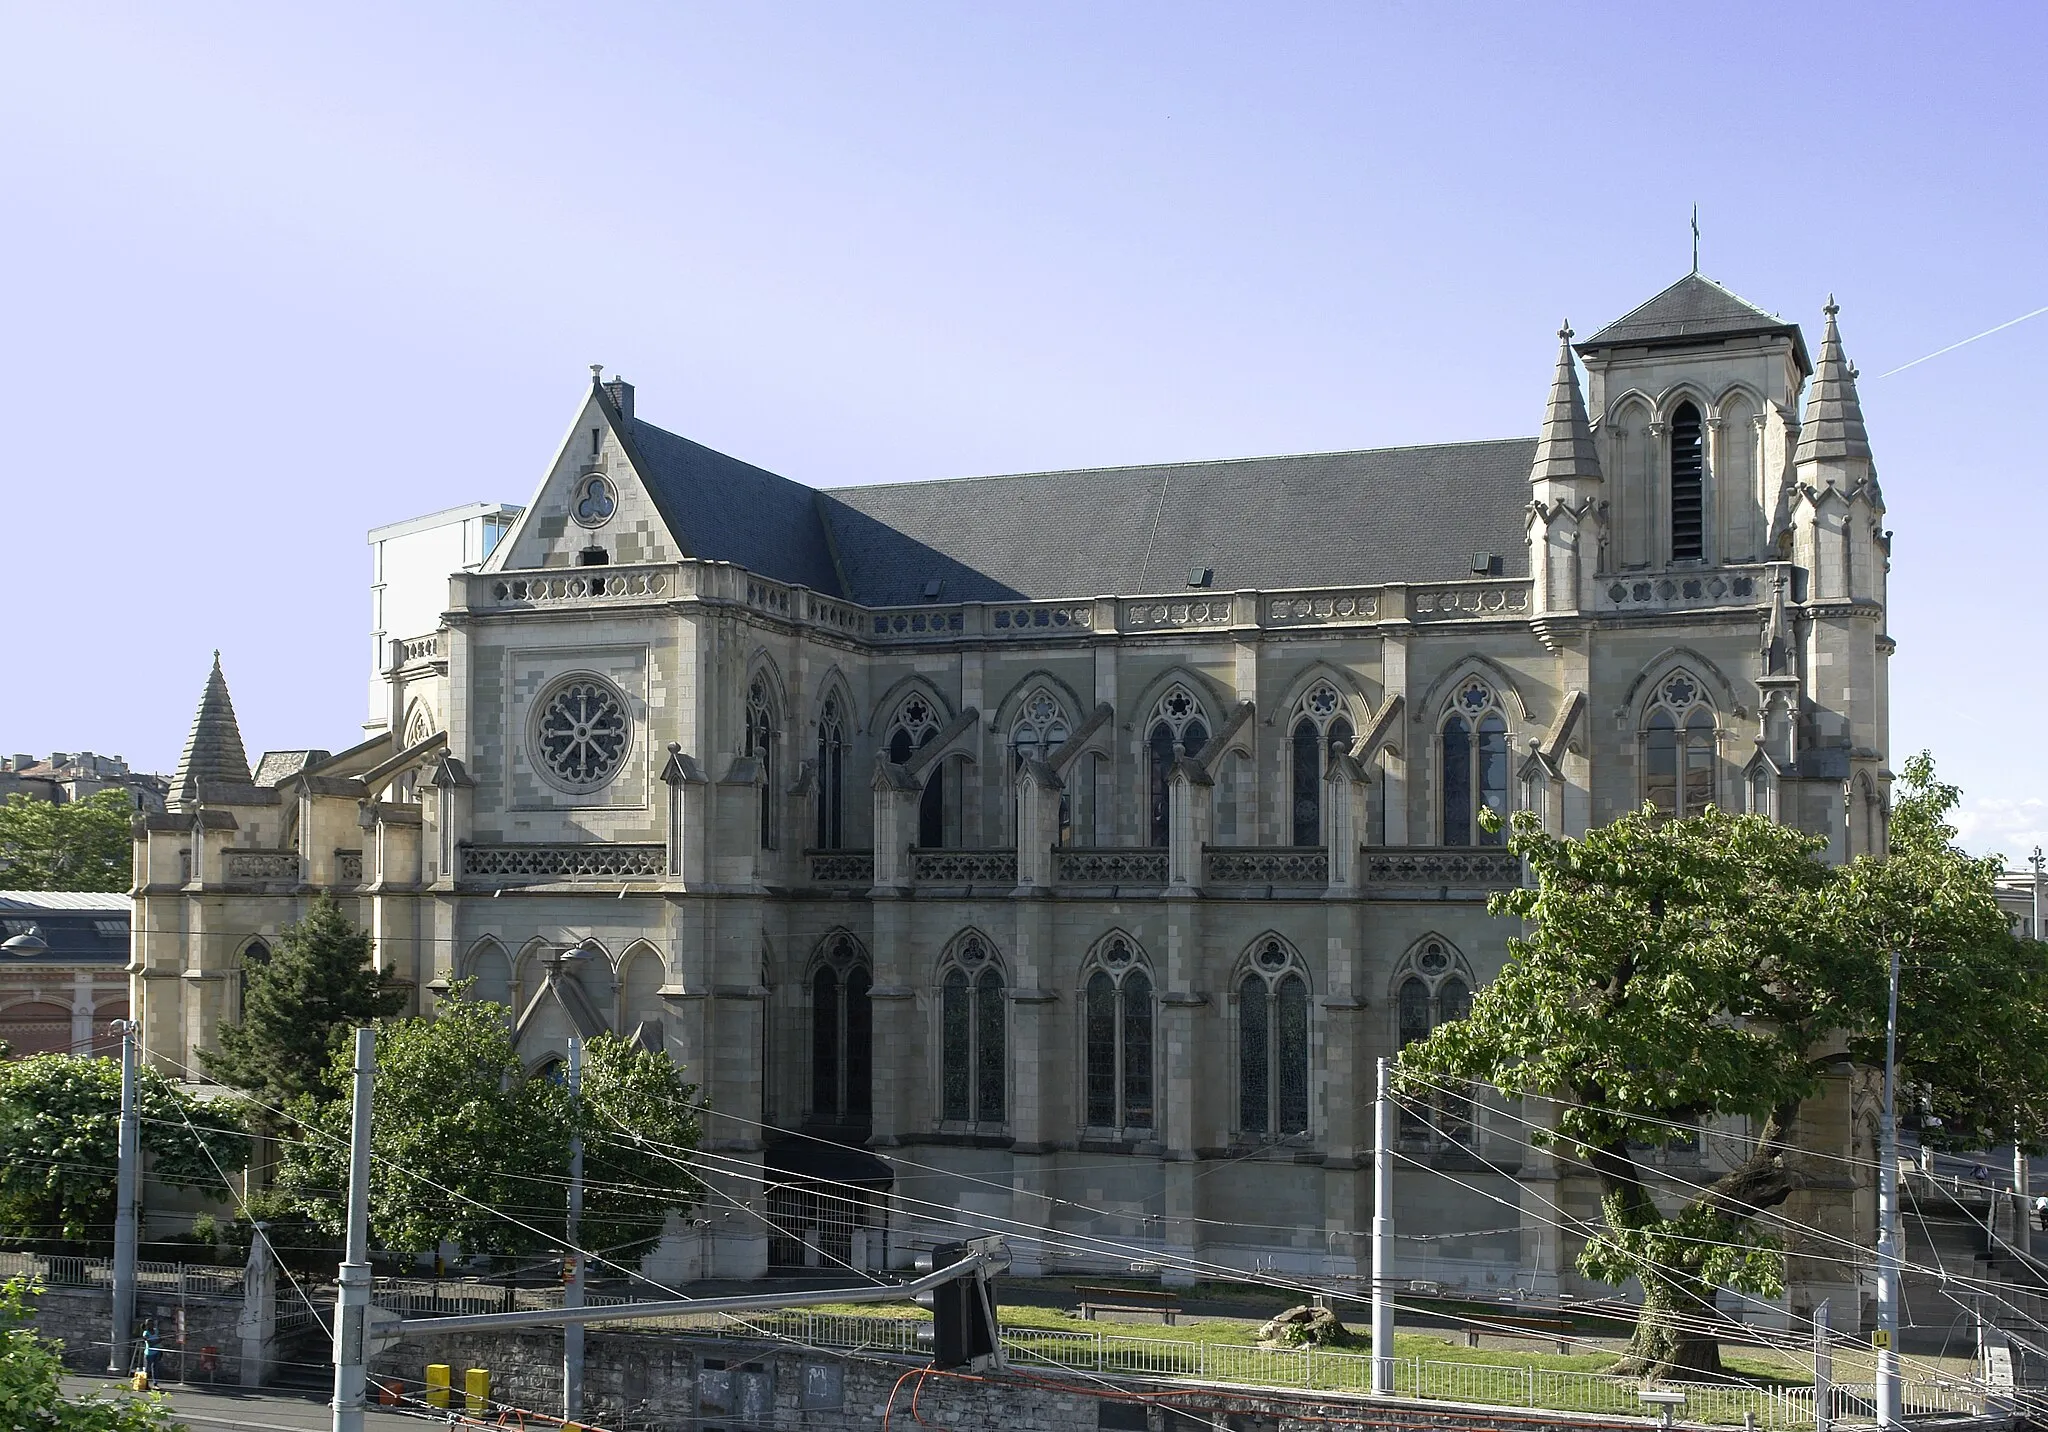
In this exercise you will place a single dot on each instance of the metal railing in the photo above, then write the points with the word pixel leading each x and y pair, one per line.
pixel 199 1280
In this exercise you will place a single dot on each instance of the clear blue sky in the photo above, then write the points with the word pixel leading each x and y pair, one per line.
pixel 276 274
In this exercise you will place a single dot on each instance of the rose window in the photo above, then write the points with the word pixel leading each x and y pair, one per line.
pixel 582 734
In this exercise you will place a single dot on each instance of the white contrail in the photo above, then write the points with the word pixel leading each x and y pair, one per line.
pixel 1971 339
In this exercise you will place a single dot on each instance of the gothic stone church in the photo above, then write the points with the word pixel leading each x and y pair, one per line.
pixel 1058 852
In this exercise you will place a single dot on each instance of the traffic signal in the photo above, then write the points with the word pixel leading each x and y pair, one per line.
pixel 963 1332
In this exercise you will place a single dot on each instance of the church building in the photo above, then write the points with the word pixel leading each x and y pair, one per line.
pixel 1058 852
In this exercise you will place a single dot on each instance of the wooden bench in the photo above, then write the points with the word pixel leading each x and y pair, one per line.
pixel 1129 1305
pixel 1508 1326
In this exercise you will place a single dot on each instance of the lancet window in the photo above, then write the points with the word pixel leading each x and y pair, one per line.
pixel 1435 990
pixel 1321 729
pixel 842 1035
pixel 1688 484
pixel 1678 748
pixel 255 955
pixel 1272 1042
pixel 1117 1038
pixel 973 1065
pixel 1041 729
pixel 1177 721
pixel 764 737
pixel 831 792
pixel 915 726
pixel 1473 745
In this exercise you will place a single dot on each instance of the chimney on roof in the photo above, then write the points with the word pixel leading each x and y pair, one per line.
pixel 621 393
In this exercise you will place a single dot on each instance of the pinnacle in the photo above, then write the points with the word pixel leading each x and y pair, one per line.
pixel 1832 426
pixel 213 752
pixel 1564 448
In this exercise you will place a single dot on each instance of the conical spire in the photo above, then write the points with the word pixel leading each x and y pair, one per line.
pixel 213 752
pixel 1564 449
pixel 1833 425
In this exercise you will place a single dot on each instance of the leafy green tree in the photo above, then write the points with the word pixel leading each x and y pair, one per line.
pixel 298 1008
pixel 80 845
pixel 32 1390
pixel 468 1149
pixel 60 1122
pixel 1677 971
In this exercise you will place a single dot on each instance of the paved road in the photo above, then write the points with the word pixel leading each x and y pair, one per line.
pixel 208 1411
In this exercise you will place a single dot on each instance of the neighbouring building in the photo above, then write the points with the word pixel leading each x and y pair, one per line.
pixel 410 563
pixel 63 971
pixel 77 775
pixel 1062 849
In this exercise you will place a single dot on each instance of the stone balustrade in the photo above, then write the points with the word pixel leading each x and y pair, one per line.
pixel 534 864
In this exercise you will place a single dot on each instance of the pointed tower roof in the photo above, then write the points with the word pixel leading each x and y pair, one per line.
pixel 1692 309
pixel 213 752
pixel 1833 424
pixel 1564 448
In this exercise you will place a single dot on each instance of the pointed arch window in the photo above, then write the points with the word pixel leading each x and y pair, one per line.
pixel 1321 729
pixel 1117 1039
pixel 1177 722
pixel 916 726
pixel 973 1066
pixel 1272 1042
pixel 764 736
pixel 1436 990
pixel 1679 748
pixel 1688 484
pixel 255 955
pixel 1041 729
pixel 1473 746
pixel 842 1035
pixel 831 775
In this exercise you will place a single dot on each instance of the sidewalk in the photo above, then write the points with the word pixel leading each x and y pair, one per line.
pixel 273 1411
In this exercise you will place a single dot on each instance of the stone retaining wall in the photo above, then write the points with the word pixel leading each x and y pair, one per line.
pixel 81 1319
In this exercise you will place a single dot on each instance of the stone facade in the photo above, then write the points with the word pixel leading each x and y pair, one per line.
pixel 1060 901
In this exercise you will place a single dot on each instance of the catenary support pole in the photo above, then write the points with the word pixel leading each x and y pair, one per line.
pixel 124 1207
pixel 1823 1371
pixel 572 1294
pixel 1383 1233
pixel 1888 1223
pixel 352 1302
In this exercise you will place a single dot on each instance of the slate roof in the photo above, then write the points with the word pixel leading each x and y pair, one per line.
pixel 1565 447
pixel 1693 308
pixel 1311 520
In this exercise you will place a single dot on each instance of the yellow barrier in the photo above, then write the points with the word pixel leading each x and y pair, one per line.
pixel 476 1390
pixel 437 1384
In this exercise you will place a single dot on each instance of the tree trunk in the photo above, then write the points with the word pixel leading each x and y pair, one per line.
pixel 1669 1343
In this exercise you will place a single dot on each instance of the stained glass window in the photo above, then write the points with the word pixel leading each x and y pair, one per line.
pixel 825 1045
pixel 860 1046
pixel 831 776
pixel 1177 719
pixel 764 730
pixel 916 726
pixel 1473 747
pixel 1290 1051
pixel 1308 783
pixel 1040 731
pixel 582 733
pixel 1253 1054
pixel 1136 994
pixel 956 1020
pixel 991 1064
pixel 842 1036
pixel 1678 749
pixel 1100 1039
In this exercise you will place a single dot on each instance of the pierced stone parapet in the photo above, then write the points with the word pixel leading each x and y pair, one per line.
pixel 1442 866
pixel 896 624
pixel 963 867
pixel 1040 617
pixel 348 867
pixel 577 584
pixel 261 867
pixel 1685 591
pixel 842 867
pixel 1267 864
pixel 564 862
pixel 420 648
pixel 1321 608
pixel 1469 599
pixel 1109 865
pixel 1156 614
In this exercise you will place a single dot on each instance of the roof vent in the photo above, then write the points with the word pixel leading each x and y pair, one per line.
pixel 1201 576
pixel 933 588
pixel 1487 564
pixel 593 556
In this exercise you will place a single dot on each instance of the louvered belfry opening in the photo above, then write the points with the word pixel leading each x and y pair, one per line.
pixel 1688 485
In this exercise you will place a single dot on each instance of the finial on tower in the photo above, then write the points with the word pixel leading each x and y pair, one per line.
pixel 1832 308
pixel 1695 238
pixel 1565 333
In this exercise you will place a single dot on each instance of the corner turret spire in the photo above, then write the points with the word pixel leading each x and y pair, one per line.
pixel 1833 423
pixel 1564 447
pixel 213 752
